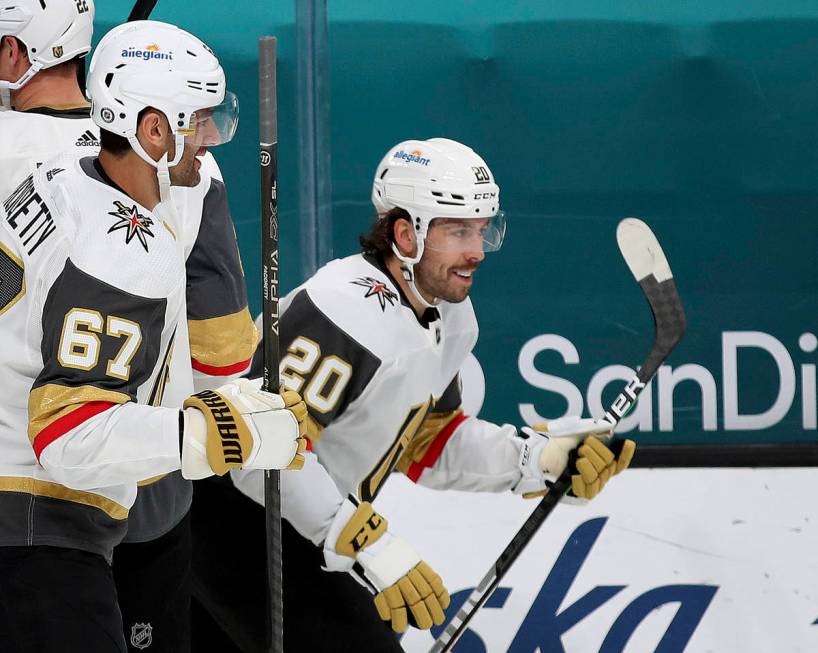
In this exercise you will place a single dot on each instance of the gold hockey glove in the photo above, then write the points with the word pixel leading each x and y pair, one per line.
pixel 240 425
pixel 545 450
pixel 407 590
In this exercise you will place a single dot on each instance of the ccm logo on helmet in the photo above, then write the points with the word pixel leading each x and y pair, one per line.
pixel 485 196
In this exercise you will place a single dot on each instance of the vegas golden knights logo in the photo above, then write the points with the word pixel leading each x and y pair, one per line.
pixel 57 51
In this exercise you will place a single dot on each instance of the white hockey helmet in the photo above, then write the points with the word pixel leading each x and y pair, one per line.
pixel 438 178
pixel 153 64
pixel 53 32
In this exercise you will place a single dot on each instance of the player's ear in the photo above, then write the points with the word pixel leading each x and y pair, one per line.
pixel 14 51
pixel 403 234
pixel 153 131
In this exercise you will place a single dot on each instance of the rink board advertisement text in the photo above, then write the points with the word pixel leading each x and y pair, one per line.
pixel 663 560
pixel 685 397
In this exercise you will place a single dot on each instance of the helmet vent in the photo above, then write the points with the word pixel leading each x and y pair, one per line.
pixel 437 193
pixel 108 78
pixel 445 203
pixel 196 86
pixel 457 197
pixel 192 54
pixel 383 174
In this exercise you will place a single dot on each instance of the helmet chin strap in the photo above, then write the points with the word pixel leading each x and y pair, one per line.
pixel 408 269
pixel 163 167
pixel 16 86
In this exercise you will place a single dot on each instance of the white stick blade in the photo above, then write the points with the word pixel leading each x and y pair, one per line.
pixel 641 250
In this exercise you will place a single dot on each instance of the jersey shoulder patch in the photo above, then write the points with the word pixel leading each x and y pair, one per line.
pixel 356 279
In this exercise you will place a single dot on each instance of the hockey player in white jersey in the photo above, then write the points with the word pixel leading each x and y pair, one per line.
pixel 374 343
pixel 93 298
pixel 52 115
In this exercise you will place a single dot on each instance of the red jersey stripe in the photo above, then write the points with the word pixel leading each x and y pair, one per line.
pixel 435 449
pixel 67 422
pixel 215 370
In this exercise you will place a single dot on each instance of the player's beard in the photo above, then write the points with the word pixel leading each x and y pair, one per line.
pixel 438 280
pixel 186 172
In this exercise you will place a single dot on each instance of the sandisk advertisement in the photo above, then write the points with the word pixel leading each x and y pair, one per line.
pixel 697 560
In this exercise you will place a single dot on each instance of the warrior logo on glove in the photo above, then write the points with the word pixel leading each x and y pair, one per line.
pixel 241 425
pixel 234 437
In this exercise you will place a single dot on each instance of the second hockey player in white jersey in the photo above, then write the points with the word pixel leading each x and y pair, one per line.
pixel 374 344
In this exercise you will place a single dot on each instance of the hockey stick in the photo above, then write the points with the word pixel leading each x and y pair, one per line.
pixel 650 268
pixel 268 160
pixel 141 10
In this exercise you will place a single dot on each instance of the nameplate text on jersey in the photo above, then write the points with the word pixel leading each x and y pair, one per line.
pixel 28 215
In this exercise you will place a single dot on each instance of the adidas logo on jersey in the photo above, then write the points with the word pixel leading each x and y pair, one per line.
pixel 88 139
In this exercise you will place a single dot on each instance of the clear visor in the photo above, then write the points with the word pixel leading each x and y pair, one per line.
pixel 467 234
pixel 214 125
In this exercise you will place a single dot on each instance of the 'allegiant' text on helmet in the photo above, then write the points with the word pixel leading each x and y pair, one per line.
pixel 412 157
pixel 150 52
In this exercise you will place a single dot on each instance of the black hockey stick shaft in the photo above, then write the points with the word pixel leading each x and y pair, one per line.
pixel 648 264
pixel 141 10
pixel 268 160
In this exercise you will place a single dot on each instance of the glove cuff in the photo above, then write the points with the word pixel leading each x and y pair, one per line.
pixel 228 439
pixel 530 444
pixel 332 559
pixel 363 529
pixel 194 445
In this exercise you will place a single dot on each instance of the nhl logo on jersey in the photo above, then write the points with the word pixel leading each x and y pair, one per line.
pixel 134 223
pixel 375 288
pixel 141 636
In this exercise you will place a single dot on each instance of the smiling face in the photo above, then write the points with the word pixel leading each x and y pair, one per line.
pixel 452 253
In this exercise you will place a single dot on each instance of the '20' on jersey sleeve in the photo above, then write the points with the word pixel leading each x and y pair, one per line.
pixel 100 345
pixel 322 362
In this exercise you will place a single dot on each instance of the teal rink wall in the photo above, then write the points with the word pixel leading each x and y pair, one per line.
pixel 700 119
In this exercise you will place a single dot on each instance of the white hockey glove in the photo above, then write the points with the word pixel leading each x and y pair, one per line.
pixel 407 591
pixel 547 449
pixel 240 425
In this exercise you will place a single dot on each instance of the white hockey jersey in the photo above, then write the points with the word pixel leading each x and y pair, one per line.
pixel 216 342
pixel 382 389
pixel 93 291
